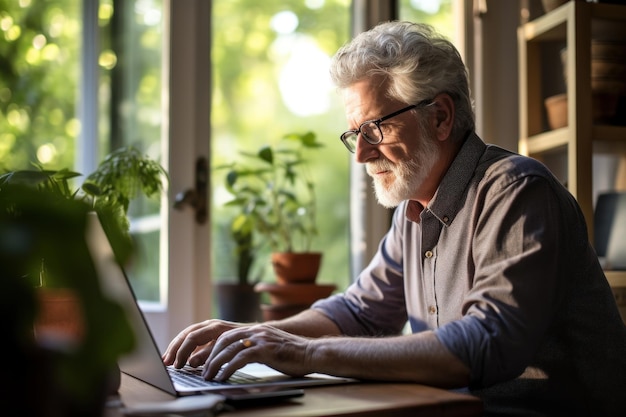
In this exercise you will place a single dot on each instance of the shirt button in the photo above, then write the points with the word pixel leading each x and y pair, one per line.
pixel 428 254
pixel 446 219
pixel 432 310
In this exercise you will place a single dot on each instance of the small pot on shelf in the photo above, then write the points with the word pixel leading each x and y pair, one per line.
pixel 300 267
pixel 295 289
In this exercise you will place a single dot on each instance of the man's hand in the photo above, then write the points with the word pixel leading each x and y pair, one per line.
pixel 194 344
pixel 261 343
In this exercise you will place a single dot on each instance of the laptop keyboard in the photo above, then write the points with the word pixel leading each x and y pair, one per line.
pixel 192 377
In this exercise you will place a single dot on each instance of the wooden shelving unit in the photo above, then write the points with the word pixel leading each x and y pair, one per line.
pixel 573 25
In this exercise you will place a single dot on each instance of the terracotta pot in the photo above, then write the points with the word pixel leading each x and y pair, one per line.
pixel 604 109
pixel 301 267
pixel 60 318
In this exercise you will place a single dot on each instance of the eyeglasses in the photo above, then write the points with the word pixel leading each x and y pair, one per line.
pixel 371 129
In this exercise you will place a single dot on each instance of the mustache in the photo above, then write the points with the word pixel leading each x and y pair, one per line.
pixel 380 165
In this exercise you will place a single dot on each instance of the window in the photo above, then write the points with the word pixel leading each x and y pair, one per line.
pixel 270 77
pixel 439 13
pixel 39 75
pixel 44 45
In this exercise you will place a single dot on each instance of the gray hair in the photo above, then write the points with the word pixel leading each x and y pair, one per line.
pixel 416 62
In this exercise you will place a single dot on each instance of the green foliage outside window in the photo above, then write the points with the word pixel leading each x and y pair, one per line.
pixel 39 64
pixel 270 64
pixel 41 44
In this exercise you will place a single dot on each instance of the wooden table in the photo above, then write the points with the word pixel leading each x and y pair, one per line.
pixel 359 399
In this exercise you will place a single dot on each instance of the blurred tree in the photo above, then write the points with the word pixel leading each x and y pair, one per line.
pixel 39 64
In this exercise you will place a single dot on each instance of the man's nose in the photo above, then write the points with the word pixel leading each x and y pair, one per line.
pixel 365 151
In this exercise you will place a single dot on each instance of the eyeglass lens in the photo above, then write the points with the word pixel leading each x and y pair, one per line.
pixel 370 131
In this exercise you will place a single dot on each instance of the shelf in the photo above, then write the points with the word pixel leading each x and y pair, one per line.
pixel 609 133
pixel 553 140
pixel 568 151
pixel 552 26
pixel 547 141
pixel 549 27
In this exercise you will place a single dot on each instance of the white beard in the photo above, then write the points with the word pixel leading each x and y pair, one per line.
pixel 404 177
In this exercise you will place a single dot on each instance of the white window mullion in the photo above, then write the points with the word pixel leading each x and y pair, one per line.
pixel 186 126
pixel 87 147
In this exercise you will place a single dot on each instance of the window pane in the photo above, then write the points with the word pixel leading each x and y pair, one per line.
pixel 40 52
pixel 438 13
pixel 39 75
pixel 270 77
pixel 130 103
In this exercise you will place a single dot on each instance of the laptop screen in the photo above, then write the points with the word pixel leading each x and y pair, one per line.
pixel 144 362
pixel 610 229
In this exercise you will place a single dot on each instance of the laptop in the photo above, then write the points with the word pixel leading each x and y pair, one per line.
pixel 145 362
pixel 610 229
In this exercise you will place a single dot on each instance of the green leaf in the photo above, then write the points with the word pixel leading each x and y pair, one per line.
pixel 231 178
pixel 308 139
pixel 266 154
pixel 92 189
pixel 241 224
pixel 63 174
pixel 26 177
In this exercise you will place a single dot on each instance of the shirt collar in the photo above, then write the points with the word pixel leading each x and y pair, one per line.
pixel 447 200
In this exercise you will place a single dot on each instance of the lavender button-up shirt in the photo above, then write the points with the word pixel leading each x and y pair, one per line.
pixel 499 265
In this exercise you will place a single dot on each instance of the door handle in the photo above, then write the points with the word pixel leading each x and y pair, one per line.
pixel 196 197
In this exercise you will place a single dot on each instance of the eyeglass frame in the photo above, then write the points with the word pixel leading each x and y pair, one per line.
pixel 377 122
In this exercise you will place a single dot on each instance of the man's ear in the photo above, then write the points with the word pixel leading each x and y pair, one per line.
pixel 444 116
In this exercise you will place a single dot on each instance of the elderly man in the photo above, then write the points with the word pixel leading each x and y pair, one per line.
pixel 487 257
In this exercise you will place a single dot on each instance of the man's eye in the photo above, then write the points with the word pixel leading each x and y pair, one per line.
pixel 386 127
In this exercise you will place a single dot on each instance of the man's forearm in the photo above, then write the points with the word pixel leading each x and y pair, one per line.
pixel 309 323
pixel 414 358
pixel 419 358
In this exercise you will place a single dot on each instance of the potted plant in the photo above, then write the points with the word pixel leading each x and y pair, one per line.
pixel 68 376
pixel 276 198
pixel 64 303
pixel 122 176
